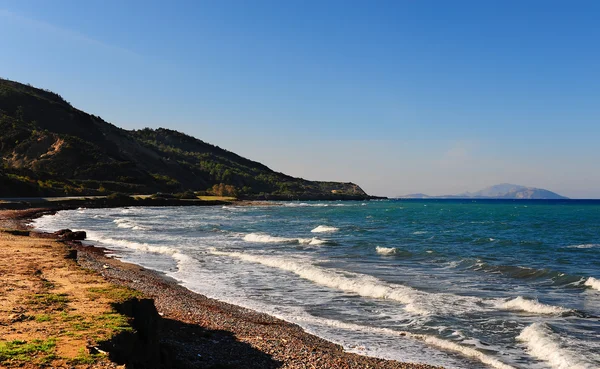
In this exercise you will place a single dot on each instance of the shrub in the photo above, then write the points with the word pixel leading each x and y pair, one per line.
pixel 186 195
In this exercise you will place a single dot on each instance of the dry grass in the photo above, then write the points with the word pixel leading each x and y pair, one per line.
pixel 51 310
pixel 217 198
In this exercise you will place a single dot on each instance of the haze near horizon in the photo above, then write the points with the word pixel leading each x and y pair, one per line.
pixel 398 97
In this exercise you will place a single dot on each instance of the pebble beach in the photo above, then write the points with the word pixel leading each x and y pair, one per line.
pixel 195 331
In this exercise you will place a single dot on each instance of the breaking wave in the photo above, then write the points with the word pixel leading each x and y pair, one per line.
pixel 463 350
pixel 533 306
pixel 593 282
pixel 546 345
pixel 385 250
pixel 584 246
pixel 416 302
pixel 305 204
pixel 126 223
pixel 428 339
pixel 176 254
pixel 362 285
pixel 265 238
pixel 325 229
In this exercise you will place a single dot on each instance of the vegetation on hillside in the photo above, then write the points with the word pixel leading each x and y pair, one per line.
pixel 50 148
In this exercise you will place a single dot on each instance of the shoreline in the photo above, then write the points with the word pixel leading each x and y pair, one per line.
pixel 216 333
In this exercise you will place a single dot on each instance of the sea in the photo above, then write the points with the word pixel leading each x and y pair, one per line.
pixel 458 283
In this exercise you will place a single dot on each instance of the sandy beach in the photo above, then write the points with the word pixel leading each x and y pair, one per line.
pixel 154 322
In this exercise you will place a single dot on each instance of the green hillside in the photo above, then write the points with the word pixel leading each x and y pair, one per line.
pixel 48 147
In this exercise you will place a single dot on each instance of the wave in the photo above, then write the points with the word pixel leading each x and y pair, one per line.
pixel 325 229
pixel 443 344
pixel 519 272
pixel 265 238
pixel 126 223
pixel 312 241
pixel 235 208
pixel 483 240
pixel 584 246
pixel 546 345
pixel 510 270
pixel 593 282
pixel 385 250
pixel 420 232
pixel 416 302
pixel 317 204
pixel 144 247
pixel 463 350
pixel 362 285
pixel 305 204
pixel 533 306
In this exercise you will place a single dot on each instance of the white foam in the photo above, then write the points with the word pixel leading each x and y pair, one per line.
pixel 463 350
pixel 349 282
pixel 532 306
pixel 452 264
pixel 584 246
pixel 385 250
pixel 416 302
pixel 593 282
pixel 235 208
pixel 364 340
pixel 325 229
pixel 304 204
pixel 429 339
pixel 265 238
pixel 546 345
pixel 126 223
pixel 143 247
pixel 313 241
pixel 420 232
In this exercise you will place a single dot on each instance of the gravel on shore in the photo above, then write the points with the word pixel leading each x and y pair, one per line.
pixel 209 333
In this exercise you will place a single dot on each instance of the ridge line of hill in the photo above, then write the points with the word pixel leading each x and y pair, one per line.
pixel 50 148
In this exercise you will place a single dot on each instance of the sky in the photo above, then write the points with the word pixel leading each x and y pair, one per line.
pixel 438 97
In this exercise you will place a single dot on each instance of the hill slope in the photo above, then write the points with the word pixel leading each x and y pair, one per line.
pixel 50 148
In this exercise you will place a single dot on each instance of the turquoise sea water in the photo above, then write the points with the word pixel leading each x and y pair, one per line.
pixel 465 284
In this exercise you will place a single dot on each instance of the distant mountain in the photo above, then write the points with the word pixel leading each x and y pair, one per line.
pixel 501 191
pixel 416 196
pixel 48 147
pixel 511 191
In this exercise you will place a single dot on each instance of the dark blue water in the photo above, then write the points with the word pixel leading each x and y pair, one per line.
pixel 477 283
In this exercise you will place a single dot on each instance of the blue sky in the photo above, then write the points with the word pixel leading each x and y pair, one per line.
pixel 398 96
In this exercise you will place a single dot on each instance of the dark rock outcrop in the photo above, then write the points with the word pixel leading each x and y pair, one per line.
pixel 140 348
pixel 71 236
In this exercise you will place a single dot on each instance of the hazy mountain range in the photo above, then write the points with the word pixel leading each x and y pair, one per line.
pixel 500 191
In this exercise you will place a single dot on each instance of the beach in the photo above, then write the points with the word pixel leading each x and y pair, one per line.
pixel 172 327
pixel 452 283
